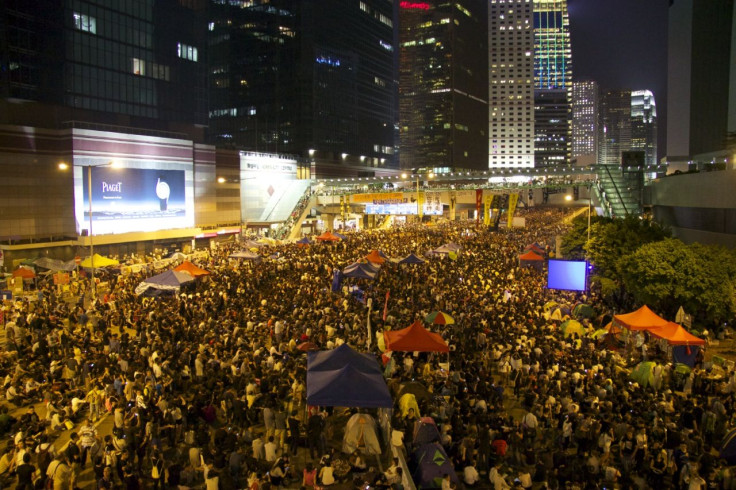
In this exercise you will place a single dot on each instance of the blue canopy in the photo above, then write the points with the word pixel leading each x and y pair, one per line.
pixel 347 387
pixel 330 360
pixel 411 259
pixel 360 271
pixel 170 280
pixel 339 235
pixel 304 241
pixel 429 465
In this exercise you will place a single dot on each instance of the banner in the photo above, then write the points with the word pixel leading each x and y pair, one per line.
pixel 487 209
pixel 61 278
pixel 478 203
pixel 420 204
pixel 379 198
pixel 496 207
pixel 385 306
pixel 513 199
pixel 453 204
pixel 342 208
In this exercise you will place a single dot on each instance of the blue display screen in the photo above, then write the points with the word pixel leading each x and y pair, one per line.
pixel 567 274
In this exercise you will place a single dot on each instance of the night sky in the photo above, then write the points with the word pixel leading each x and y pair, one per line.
pixel 623 44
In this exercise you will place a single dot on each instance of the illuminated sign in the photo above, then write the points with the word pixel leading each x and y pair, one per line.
pixel 134 199
pixel 379 198
pixel 414 5
pixel 401 209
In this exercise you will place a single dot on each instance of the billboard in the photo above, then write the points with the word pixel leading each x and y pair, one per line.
pixel 133 199
pixel 567 274
pixel 402 209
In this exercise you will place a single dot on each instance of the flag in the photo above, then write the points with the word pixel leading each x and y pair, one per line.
pixel 487 209
pixel 385 306
pixel 513 199
pixel 478 202
pixel 336 281
pixel 369 304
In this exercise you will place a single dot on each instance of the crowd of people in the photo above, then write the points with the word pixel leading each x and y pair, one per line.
pixel 207 388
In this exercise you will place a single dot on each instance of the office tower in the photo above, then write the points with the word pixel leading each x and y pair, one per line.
pixel 552 83
pixel 615 126
pixel 312 79
pixel 644 125
pixel 511 84
pixel 443 84
pixel 132 63
pixel 701 85
pixel 585 95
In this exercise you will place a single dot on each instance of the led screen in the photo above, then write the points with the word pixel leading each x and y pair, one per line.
pixel 133 199
pixel 567 274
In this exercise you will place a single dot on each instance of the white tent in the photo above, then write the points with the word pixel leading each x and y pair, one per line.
pixel 361 433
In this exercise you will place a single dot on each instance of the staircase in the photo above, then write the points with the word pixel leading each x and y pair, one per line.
pixel 614 194
pixel 281 208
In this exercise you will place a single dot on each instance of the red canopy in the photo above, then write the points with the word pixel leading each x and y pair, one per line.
pixel 415 338
pixel 191 269
pixel 327 237
pixel 530 256
pixel 24 273
pixel 674 334
pixel 535 248
pixel 375 257
pixel 641 319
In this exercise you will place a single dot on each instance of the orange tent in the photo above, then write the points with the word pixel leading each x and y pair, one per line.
pixel 24 273
pixel 530 256
pixel 641 319
pixel 674 334
pixel 191 269
pixel 327 237
pixel 375 257
pixel 415 338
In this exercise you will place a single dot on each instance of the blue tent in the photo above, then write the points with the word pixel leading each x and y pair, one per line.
pixel 339 235
pixel 331 360
pixel 429 465
pixel 360 271
pixel 425 433
pixel 304 241
pixel 411 259
pixel 170 280
pixel 347 387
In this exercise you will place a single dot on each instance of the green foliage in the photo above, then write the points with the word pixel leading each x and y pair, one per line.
pixel 669 274
pixel 573 242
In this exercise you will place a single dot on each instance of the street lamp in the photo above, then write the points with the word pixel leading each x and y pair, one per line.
pixel 65 166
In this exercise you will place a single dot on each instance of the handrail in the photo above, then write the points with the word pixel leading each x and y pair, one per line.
pixel 615 187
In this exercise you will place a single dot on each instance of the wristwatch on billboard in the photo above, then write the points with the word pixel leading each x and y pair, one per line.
pixel 163 191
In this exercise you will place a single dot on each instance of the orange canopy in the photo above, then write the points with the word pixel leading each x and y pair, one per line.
pixel 375 257
pixel 674 334
pixel 24 273
pixel 415 338
pixel 327 237
pixel 191 269
pixel 641 319
pixel 530 256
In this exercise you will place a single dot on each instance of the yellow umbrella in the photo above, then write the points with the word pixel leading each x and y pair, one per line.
pixel 572 327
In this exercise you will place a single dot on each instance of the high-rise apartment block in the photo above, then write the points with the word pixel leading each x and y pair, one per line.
pixel 511 82
pixel 585 134
pixel 443 84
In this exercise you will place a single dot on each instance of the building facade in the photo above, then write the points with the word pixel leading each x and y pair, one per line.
pixel 443 95
pixel 511 84
pixel 615 126
pixel 312 79
pixel 585 113
pixel 644 125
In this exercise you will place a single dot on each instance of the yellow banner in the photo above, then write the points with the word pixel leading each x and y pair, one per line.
pixel 379 198
pixel 453 205
pixel 487 203
pixel 513 200
pixel 420 204
pixel 342 208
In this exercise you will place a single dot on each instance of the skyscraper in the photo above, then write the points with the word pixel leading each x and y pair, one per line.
pixel 443 84
pixel 313 79
pixel 552 83
pixel 644 125
pixel 701 85
pixel 511 84
pixel 585 134
pixel 615 126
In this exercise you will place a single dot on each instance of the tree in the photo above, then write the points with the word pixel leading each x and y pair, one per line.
pixel 573 242
pixel 668 274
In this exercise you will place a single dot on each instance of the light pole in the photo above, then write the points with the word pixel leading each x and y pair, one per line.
pixel 64 166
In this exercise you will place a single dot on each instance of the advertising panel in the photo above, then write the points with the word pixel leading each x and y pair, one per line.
pixel 402 209
pixel 134 199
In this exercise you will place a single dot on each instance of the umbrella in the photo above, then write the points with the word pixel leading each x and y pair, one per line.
pixel 583 311
pixel 599 333
pixel 439 318
pixel 307 346
pixel 570 327
pixel 417 389
pixel 550 304
pixel 24 273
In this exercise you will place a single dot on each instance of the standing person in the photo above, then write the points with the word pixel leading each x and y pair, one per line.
pixel 59 473
pixel 295 433
pixel 74 457
pixel 105 483
pixel 88 440
pixel 157 469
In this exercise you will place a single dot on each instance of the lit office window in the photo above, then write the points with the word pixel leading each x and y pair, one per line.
pixel 139 67
pixel 186 52
pixel 85 23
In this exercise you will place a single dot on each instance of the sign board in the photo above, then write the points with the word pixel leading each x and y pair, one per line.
pixel 61 278
pixel 380 198
pixel 6 295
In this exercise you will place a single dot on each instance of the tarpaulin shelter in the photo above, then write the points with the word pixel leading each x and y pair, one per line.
pixel 453 247
pixel 361 433
pixel 98 261
pixel 330 360
pixel 530 259
pixel 582 310
pixel 54 264
pixel 24 273
pixel 375 258
pixel 360 271
pixel 167 281
pixel 570 327
pixel 535 248
pixel 347 387
pixel 327 237
pixel 426 432
pixel 415 338
pixel 191 269
pixel 442 250
pixel 674 334
pixel 641 319
pixel 407 402
pixel 411 259
pixel 252 244
pixel 339 235
pixel 245 255
pixel 429 465
pixel 303 242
